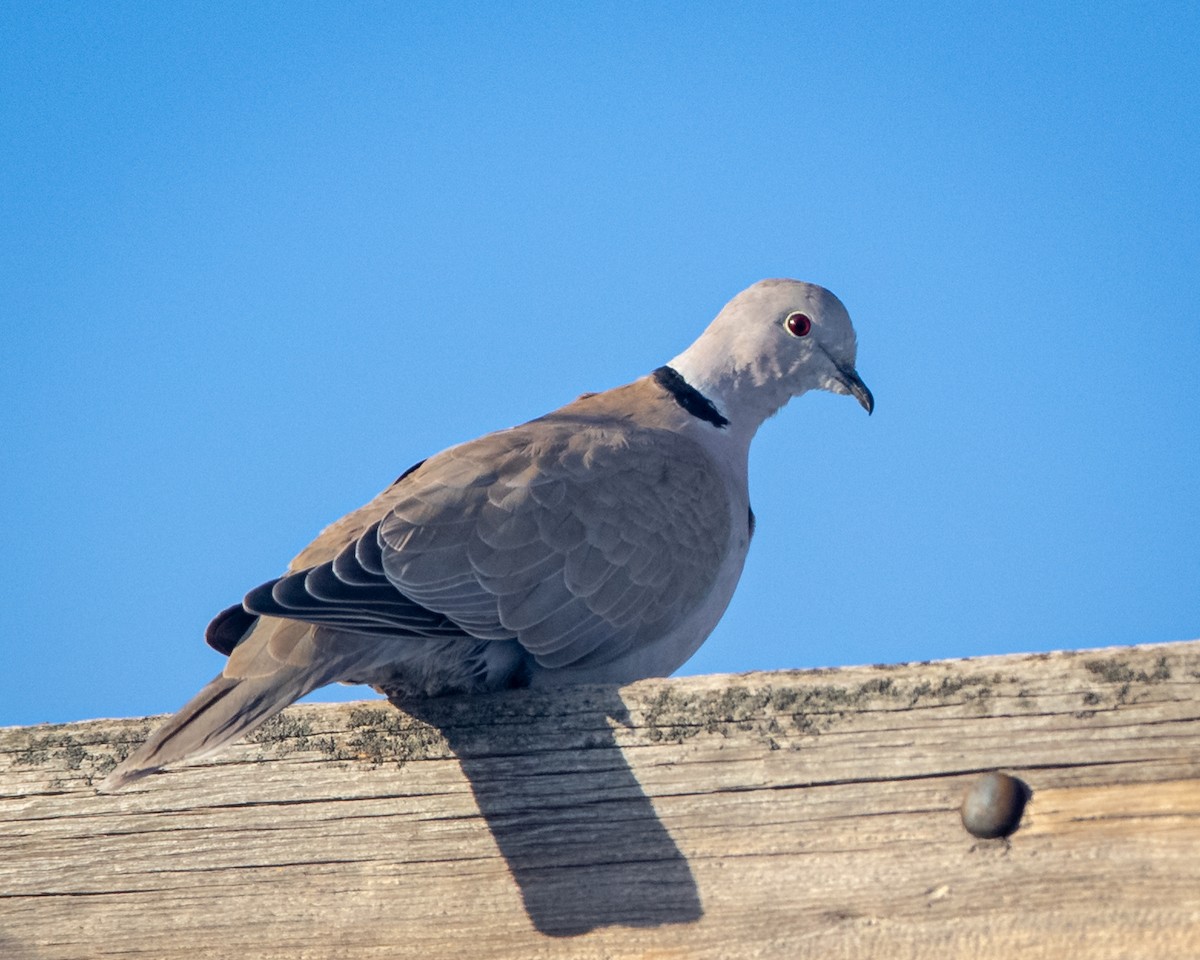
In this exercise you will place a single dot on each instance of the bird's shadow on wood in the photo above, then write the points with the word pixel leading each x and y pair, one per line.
pixel 582 839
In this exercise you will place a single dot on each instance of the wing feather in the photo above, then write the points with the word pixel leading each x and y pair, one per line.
pixel 579 535
pixel 584 542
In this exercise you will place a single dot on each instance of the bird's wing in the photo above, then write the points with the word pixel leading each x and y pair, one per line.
pixel 232 626
pixel 579 534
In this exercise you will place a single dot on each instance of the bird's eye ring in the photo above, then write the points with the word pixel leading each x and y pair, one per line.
pixel 798 324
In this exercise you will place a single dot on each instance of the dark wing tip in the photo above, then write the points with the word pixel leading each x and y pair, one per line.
pixel 228 628
pixel 409 472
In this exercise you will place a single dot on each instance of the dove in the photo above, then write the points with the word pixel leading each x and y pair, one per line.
pixel 600 543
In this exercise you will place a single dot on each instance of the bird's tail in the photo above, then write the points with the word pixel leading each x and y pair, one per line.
pixel 228 708
pixel 276 663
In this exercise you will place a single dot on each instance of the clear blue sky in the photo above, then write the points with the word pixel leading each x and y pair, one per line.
pixel 256 259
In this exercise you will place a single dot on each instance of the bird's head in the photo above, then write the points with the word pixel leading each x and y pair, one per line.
pixel 774 341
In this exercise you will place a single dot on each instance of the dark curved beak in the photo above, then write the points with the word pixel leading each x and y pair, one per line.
pixel 853 382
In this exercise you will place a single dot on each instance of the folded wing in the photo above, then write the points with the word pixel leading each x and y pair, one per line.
pixel 578 536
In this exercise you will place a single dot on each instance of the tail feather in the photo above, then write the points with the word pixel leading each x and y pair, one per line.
pixel 226 709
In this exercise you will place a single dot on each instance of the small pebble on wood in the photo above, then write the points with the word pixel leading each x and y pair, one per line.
pixel 993 804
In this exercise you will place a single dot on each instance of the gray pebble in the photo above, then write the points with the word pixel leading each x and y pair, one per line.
pixel 993 804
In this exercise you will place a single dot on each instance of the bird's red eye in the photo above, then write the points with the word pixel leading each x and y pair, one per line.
pixel 798 324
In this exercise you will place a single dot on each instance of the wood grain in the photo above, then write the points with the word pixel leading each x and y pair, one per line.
pixel 796 814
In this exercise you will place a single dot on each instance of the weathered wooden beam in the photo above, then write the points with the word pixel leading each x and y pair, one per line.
pixel 798 814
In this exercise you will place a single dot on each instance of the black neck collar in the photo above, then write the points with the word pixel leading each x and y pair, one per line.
pixel 688 397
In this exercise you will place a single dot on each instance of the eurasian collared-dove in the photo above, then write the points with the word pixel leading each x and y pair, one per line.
pixel 599 543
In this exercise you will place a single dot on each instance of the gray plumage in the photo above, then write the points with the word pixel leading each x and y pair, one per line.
pixel 599 543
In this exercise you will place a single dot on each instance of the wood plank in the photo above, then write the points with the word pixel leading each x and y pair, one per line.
pixel 793 814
